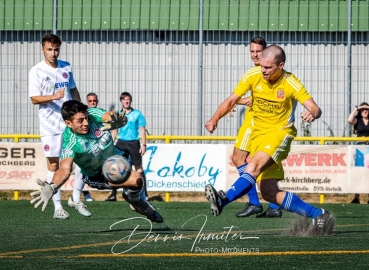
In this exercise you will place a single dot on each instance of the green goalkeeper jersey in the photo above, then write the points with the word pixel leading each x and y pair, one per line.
pixel 89 151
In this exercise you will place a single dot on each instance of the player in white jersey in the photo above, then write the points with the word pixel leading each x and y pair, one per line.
pixel 50 84
pixel 88 143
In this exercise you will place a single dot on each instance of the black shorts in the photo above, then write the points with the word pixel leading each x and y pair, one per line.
pixel 97 181
pixel 132 148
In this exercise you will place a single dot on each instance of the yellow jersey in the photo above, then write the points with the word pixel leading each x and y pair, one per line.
pixel 273 105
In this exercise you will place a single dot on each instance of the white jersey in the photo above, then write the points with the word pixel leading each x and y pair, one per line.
pixel 45 80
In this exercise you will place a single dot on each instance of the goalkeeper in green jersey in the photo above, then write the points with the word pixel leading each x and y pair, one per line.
pixel 88 143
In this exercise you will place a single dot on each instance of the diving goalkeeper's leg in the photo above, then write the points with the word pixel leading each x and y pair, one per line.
pixel 137 199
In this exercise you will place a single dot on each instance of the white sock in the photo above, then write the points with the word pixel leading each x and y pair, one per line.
pixel 78 185
pixel 57 195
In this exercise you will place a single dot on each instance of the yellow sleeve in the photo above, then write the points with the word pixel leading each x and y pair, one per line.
pixel 300 94
pixel 245 84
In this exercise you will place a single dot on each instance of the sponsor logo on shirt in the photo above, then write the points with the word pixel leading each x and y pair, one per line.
pixel 61 85
pixel 65 75
pixel 47 147
pixel 259 88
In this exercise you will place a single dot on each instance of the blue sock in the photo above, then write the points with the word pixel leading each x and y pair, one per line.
pixel 294 204
pixel 274 206
pixel 239 188
pixel 253 196
pixel 241 169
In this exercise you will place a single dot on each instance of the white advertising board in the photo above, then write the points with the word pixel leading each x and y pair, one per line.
pixel 21 164
pixel 359 168
pixel 189 167
pixel 185 167
pixel 316 169
pixel 309 169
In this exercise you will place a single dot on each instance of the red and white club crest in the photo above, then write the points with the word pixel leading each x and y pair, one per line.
pixel 65 75
pixel 47 147
pixel 280 94
pixel 97 132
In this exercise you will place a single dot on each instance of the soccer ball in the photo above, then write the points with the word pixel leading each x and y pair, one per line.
pixel 116 169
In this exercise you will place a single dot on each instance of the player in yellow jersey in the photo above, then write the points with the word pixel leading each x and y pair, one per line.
pixel 240 153
pixel 275 93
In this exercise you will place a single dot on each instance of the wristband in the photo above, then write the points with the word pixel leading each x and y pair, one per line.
pixel 54 187
pixel 144 145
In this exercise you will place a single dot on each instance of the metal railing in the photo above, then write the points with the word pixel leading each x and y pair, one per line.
pixel 169 138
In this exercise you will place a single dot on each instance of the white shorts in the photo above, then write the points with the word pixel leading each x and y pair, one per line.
pixel 52 145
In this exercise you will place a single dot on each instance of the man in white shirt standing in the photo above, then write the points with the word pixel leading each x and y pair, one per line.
pixel 51 83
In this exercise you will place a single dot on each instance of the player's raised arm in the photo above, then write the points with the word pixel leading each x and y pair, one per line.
pixel 313 111
pixel 224 108
pixel 114 120
pixel 48 98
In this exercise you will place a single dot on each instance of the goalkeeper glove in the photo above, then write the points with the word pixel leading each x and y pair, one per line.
pixel 117 120
pixel 45 194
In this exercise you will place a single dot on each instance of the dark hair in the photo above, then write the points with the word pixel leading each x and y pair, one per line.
pixel 260 41
pixel 358 116
pixel 91 94
pixel 125 94
pixel 72 107
pixel 53 39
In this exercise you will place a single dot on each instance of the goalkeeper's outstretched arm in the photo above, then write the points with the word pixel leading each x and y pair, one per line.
pixel 63 173
pixel 48 190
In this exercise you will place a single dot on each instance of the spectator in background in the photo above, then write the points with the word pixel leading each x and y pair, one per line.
pixel 92 100
pixel 128 138
pixel 50 84
pixel 359 118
